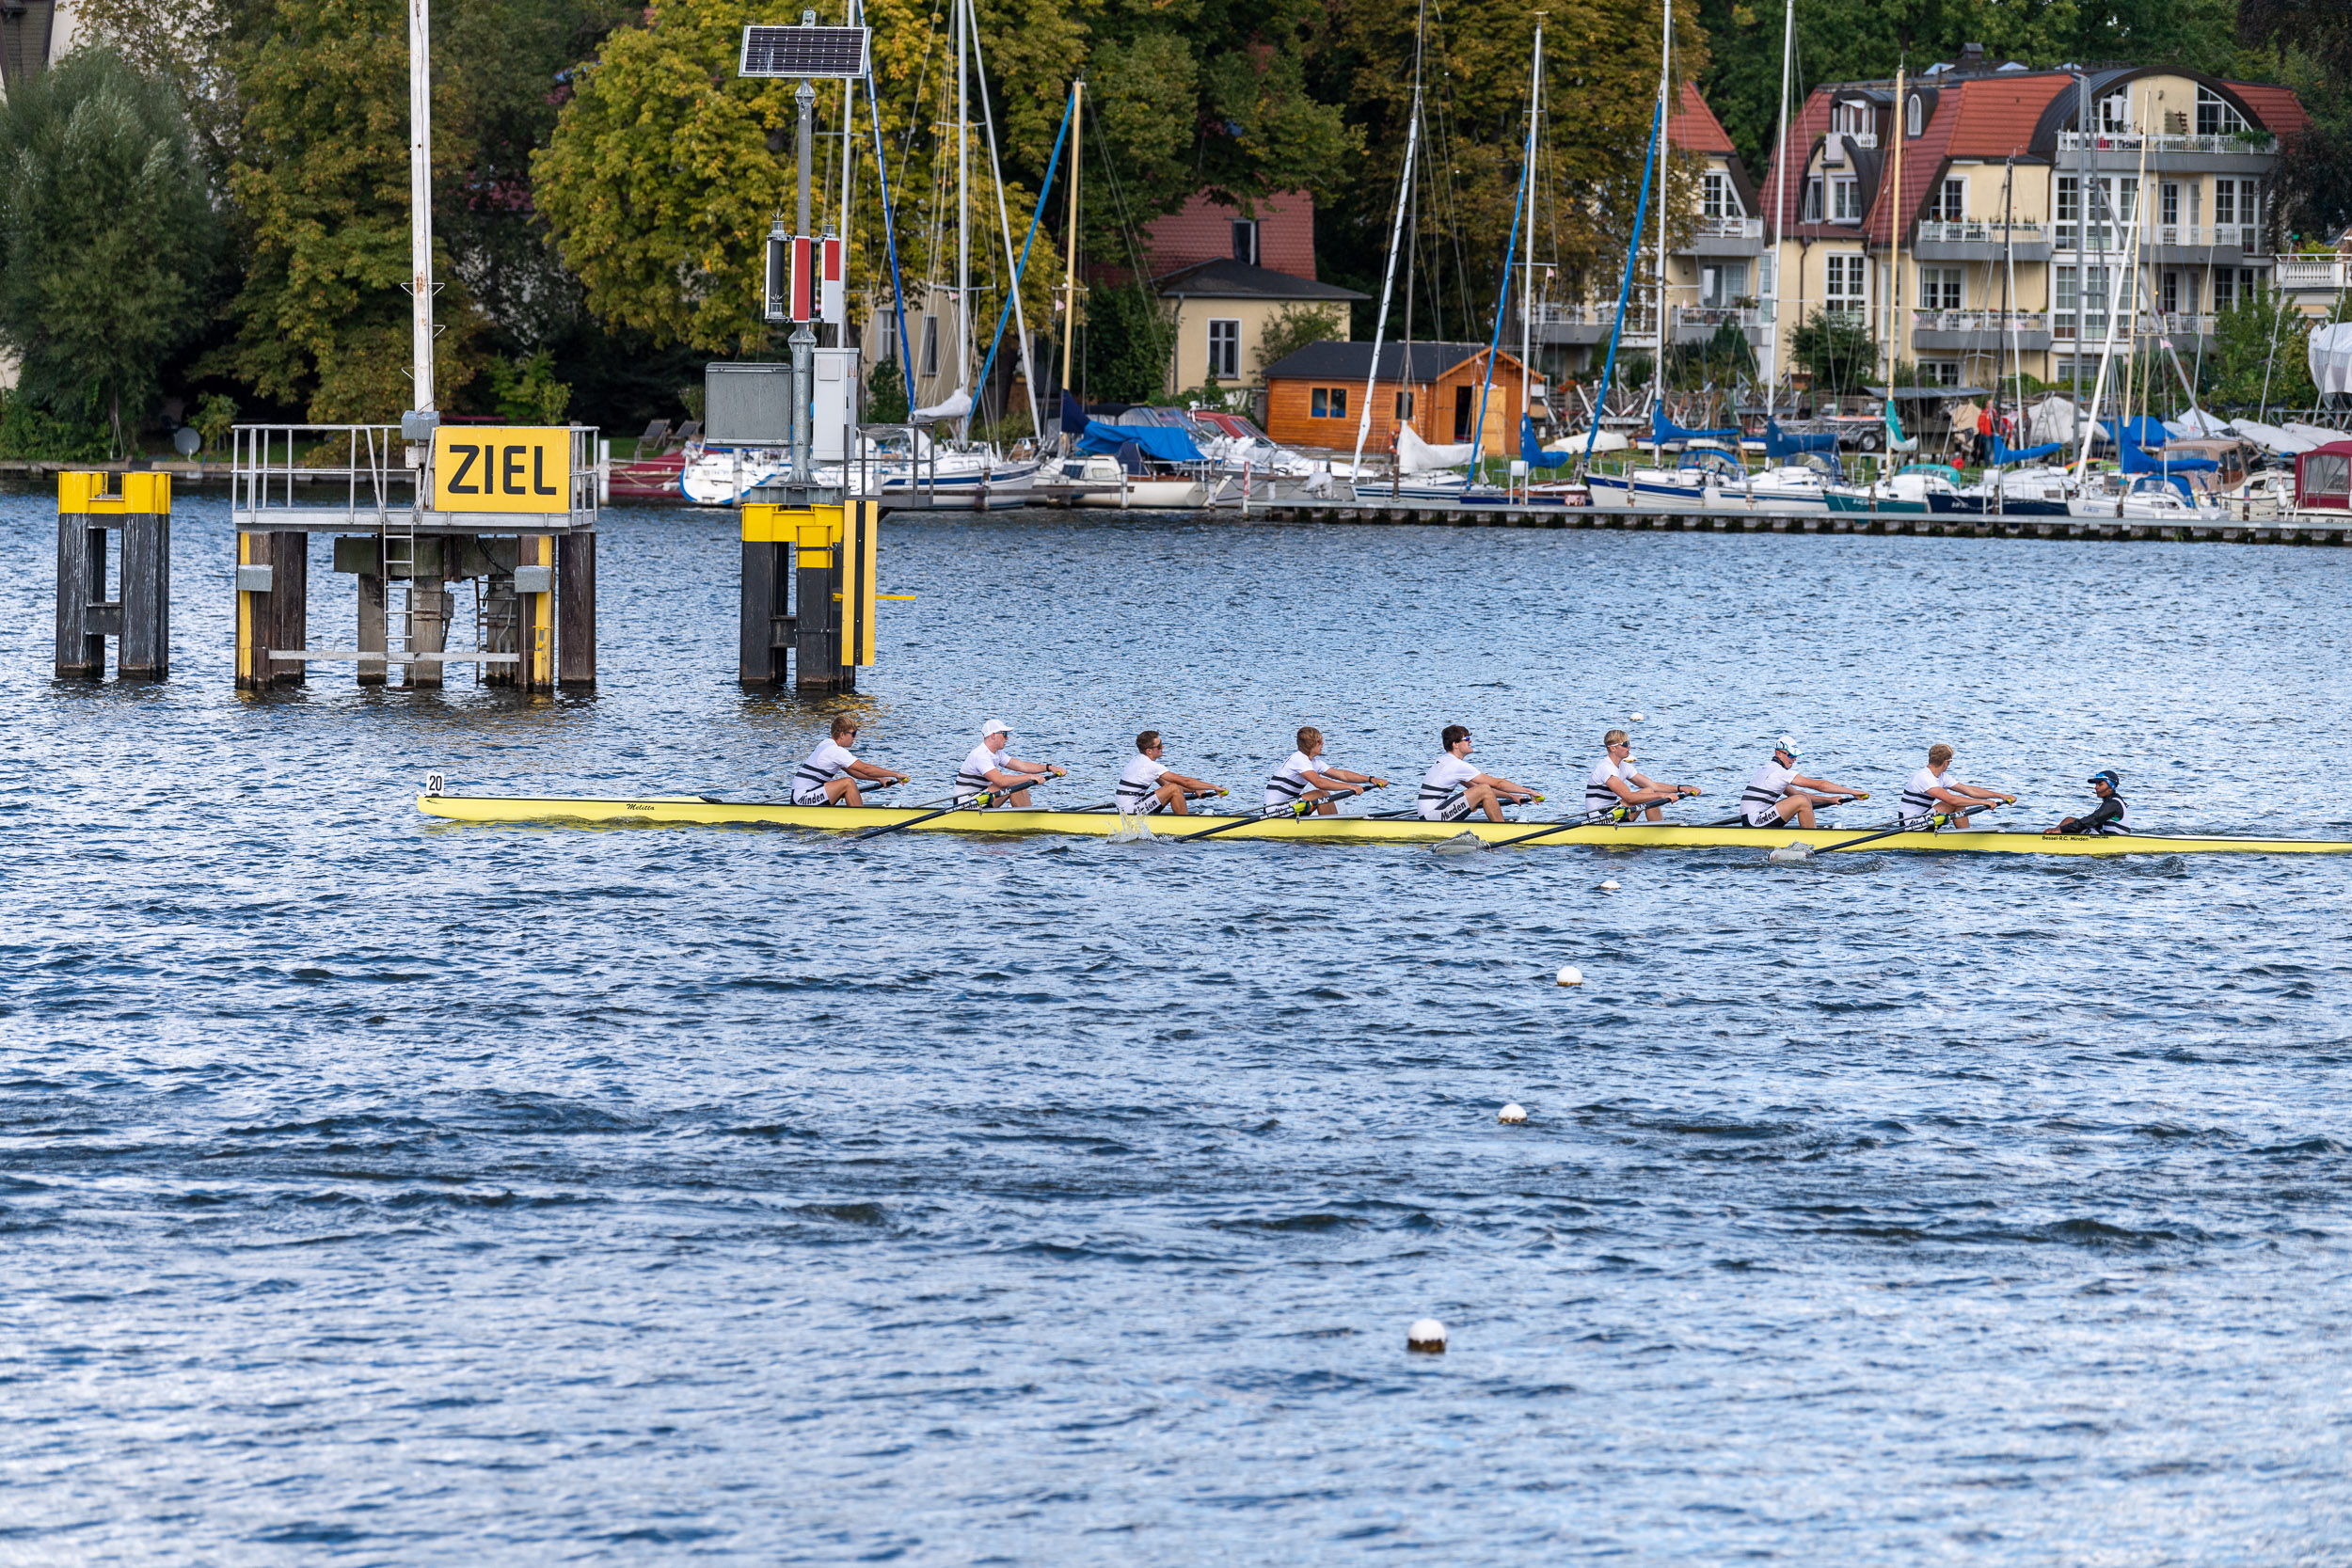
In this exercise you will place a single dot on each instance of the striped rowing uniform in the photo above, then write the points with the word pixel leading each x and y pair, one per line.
pixel 1289 782
pixel 830 761
pixel 1919 807
pixel 972 778
pixel 1139 785
pixel 1765 791
pixel 1598 797
pixel 1442 796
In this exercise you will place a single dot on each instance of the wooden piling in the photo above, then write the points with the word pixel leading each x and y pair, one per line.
pixel 576 610
pixel 140 617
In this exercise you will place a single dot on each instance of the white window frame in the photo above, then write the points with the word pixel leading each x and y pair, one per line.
pixel 1915 116
pixel 1225 366
pixel 1940 282
pixel 1256 239
pixel 1845 201
pixel 1718 200
pixel 930 345
pixel 1846 282
pixel 1849 117
pixel 1947 208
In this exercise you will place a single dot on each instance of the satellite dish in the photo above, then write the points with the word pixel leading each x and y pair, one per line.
pixel 188 439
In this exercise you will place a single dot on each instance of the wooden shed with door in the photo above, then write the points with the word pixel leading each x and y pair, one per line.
pixel 1315 396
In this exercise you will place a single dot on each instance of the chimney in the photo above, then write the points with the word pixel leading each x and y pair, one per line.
pixel 1972 59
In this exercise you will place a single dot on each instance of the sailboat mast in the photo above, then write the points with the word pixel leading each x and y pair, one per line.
pixel 1780 204
pixel 1527 286
pixel 1069 256
pixel 420 198
pixel 1665 144
pixel 1387 282
pixel 1894 244
pixel 964 216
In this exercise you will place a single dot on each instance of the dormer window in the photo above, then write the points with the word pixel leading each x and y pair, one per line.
pixel 1849 117
pixel 2115 115
pixel 1915 117
pixel 2215 116
pixel 1246 241
pixel 1719 201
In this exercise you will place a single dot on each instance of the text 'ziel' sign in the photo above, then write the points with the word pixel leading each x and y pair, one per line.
pixel 501 468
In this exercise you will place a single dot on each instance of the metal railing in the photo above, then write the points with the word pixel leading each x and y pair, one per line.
pixel 2250 144
pixel 2003 321
pixel 358 476
pixel 1977 232
pixel 1730 229
pixel 1636 320
pixel 2151 323
pixel 1718 315
pixel 2111 238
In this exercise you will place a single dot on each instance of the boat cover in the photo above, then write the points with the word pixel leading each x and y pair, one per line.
pixel 2270 437
pixel 2003 455
pixel 1778 445
pixel 955 406
pixel 1415 455
pixel 1154 441
pixel 1665 433
pixel 2331 358
pixel 1532 452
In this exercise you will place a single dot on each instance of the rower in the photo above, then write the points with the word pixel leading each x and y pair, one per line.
pixel 1451 789
pixel 993 770
pixel 1934 792
pixel 2110 815
pixel 831 775
pixel 1307 777
pixel 1150 785
pixel 1615 789
pixel 1779 792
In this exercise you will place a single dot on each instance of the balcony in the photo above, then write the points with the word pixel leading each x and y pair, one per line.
pixel 2251 144
pixel 1979 331
pixel 1696 324
pixel 2331 273
pixel 2152 325
pixel 2200 239
pixel 1591 323
pixel 1972 240
pixel 1725 237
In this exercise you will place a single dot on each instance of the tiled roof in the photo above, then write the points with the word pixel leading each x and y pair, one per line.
pixel 1692 126
pixel 1330 361
pixel 2277 108
pixel 1995 115
pixel 1202 231
pixel 1224 279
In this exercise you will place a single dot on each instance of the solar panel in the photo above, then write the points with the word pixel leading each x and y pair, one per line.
pixel 805 52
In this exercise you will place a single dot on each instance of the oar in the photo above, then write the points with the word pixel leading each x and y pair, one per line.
pixel 1533 799
pixel 1298 810
pixel 1903 827
pixel 985 798
pixel 1741 820
pixel 1586 820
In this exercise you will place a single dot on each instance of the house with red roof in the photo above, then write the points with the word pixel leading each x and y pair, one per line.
pixel 1990 218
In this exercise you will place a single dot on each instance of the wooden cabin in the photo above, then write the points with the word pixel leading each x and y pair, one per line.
pixel 1315 396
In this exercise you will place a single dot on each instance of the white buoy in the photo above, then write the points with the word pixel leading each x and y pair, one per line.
pixel 1572 976
pixel 1513 1114
pixel 1427 1335
pixel 1608 887
pixel 1637 718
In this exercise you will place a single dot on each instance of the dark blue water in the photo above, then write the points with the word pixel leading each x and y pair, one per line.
pixel 379 1190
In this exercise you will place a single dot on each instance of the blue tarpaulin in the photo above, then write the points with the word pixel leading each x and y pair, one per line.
pixel 1532 451
pixel 1155 441
pixel 2002 456
pixel 1665 433
pixel 2142 431
pixel 1778 444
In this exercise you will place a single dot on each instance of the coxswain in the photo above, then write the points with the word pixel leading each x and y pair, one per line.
pixel 1150 785
pixel 994 771
pixel 2110 815
pixel 1614 786
pixel 1778 792
pixel 1934 791
pixel 831 775
pixel 1451 789
pixel 1307 777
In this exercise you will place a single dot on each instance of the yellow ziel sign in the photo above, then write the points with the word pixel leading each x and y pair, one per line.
pixel 501 468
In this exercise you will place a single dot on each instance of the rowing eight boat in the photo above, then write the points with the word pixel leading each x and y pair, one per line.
pixel 701 810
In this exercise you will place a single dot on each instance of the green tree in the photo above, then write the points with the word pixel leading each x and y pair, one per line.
pixel 1126 344
pixel 885 394
pixel 2260 355
pixel 320 176
pixel 1838 348
pixel 1294 327
pixel 108 239
pixel 1723 360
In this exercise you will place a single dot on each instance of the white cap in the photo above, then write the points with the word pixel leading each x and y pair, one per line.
pixel 994 726
pixel 1786 744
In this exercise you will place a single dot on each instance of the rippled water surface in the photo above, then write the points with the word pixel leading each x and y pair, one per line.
pixel 380 1190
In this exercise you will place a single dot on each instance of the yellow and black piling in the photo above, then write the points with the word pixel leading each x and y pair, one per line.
pixel 823 558
pixel 140 618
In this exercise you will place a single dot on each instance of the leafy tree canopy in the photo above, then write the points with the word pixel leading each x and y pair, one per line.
pixel 108 238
